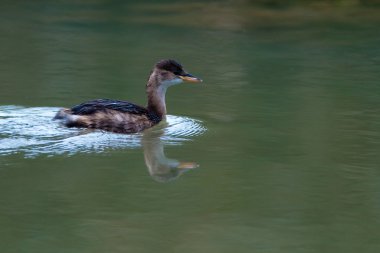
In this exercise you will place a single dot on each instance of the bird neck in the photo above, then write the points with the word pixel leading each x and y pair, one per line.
pixel 156 101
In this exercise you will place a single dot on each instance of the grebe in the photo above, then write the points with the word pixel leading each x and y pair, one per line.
pixel 125 117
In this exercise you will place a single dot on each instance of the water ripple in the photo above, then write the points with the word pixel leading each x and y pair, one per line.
pixel 31 131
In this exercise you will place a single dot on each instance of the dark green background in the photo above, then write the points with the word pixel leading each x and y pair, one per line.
pixel 291 103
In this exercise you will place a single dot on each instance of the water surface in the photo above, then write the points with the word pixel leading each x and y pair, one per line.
pixel 285 128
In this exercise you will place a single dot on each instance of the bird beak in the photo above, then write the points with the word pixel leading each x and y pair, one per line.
pixel 187 165
pixel 190 78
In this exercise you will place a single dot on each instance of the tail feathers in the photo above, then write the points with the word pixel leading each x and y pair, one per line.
pixel 63 114
pixel 67 117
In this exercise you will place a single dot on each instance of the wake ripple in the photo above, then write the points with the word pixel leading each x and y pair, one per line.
pixel 32 131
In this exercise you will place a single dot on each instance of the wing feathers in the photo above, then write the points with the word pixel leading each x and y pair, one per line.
pixel 97 105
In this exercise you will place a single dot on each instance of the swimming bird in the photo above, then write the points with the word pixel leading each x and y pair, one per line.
pixel 126 117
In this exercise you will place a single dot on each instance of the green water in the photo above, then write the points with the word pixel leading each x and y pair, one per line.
pixel 285 128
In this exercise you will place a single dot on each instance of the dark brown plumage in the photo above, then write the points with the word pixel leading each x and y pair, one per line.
pixel 125 117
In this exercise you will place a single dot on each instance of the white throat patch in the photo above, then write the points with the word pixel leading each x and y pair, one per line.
pixel 172 82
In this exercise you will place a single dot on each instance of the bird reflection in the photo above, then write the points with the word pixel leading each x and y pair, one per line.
pixel 161 168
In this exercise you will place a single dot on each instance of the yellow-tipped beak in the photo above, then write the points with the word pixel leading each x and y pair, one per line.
pixel 191 79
